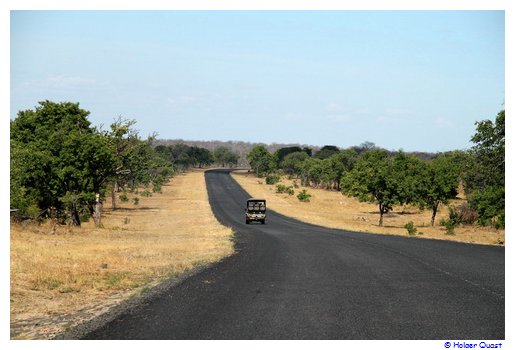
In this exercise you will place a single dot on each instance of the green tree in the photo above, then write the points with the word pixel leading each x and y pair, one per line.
pixel 327 151
pixel 485 180
pixel 261 161
pixel 136 163
pixel 281 153
pixel 373 179
pixel 311 172
pixel 438 183
pixel 293 161
pixel 341 163
pixel 201 157
pixel 224 156
pixel 58 161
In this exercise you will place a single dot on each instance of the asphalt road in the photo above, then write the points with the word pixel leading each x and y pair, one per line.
pixel 291 280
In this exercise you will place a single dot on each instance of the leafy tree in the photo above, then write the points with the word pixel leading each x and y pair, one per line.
pixel 132 156
pixel 365 147
pixel 485 180
pixel 438 182
pixel 281 153
pixel 292 162
pixel 223 156
pixel 408 172
pixel 326 152
pixel 308 151
pixel 201 156
pixel 184 157
pixel 58 161
pixel 311 172
pixel 373 179
pixel 341 163
pixel 261 161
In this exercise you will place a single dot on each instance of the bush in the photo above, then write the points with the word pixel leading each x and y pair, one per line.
pixel 156 188
pixel 123 197
pixel 135 200
pixel 284 189
pixel 146 193
pixel 449 226
pixel 412 230
pixel 463 214
pixel 304 196
pixel 272 179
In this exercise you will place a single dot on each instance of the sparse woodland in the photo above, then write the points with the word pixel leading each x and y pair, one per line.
pixel 393 179
pixel 63 168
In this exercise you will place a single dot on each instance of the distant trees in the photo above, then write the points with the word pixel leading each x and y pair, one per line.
pixel 184 157
pixel 292 162
pixel 224 156
pixel 326 152
pixel 262 161
pixel 388 179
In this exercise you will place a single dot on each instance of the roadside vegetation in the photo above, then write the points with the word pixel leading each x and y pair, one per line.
pixel 100 215
pixel 63 168
pixel 397 180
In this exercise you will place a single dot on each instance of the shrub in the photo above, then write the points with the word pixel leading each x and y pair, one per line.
pixel 284 189
pixel 272 179
pixel 135 200
pixel 449 226
pixel 146 193
pixel 412 230
pixel 463 214
pixel 123 197
pixel 303 196
pixel 156 188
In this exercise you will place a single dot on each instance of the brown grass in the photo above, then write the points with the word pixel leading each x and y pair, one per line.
pixel 332 209
pixel 63 278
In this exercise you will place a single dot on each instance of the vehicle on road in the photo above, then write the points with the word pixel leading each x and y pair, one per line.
pixel 255 211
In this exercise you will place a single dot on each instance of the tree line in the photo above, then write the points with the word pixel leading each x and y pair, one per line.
pixel 62 167
pixel 393 179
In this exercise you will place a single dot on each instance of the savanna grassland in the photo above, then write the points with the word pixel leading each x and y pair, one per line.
pixel 63 275
pixel 332 209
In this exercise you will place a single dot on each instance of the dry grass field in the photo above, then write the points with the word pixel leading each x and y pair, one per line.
pixel 332 209
pixel 63 277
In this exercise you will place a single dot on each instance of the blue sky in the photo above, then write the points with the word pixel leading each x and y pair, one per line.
pixel 416 80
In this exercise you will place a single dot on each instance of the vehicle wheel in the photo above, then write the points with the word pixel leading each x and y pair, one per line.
pixel 247 222
pixel 263 222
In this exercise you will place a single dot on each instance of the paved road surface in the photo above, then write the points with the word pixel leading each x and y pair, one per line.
pixel 291 280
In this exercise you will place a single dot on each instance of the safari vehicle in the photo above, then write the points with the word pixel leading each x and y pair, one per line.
pixel 255 211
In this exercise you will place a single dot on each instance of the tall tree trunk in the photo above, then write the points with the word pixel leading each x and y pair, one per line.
pixel 97 215
pixel 75 215
pixel 114 189
pixel 435 209
pixel 381 212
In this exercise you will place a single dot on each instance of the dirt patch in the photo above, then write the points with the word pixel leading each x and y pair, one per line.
pixel 334 210
pixel 64 276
